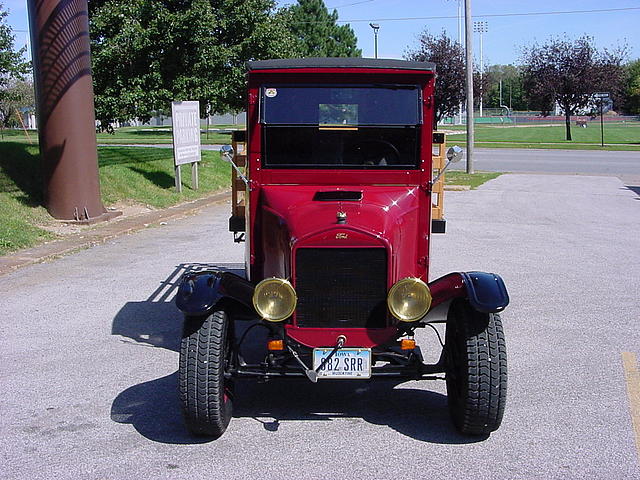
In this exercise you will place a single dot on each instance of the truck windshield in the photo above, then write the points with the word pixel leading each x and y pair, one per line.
pixel 340 126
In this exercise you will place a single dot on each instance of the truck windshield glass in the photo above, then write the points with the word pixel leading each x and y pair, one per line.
pixel 340 126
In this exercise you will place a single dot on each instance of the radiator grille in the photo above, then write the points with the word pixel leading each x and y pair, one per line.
pixel 341 287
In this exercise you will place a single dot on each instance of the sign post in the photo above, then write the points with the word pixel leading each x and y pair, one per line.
pixel 186 139
pixel 601 96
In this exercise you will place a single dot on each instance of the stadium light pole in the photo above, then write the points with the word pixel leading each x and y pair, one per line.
pixel 481 27
pixel 375 27
pixel 469 67
pixel 458 120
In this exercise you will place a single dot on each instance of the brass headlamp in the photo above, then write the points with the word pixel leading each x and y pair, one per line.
pixel 274 299
pixel 409 299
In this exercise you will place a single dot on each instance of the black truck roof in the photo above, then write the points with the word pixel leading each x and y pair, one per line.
pixel 350 62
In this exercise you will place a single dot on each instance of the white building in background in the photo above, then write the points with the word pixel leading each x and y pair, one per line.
pixel 29 119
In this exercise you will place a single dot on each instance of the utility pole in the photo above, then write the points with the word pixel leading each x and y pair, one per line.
pixel 469 66
pixel 460 42
pixel 481 27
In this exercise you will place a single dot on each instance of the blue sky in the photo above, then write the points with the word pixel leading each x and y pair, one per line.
pixel 400 27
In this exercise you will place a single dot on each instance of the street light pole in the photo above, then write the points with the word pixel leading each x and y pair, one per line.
pixel 469 66
pixel 375 27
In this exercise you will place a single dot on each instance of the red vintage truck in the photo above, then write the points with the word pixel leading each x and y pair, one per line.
pixel 338 183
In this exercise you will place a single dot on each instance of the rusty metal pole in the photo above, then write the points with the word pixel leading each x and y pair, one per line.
pixel 66 117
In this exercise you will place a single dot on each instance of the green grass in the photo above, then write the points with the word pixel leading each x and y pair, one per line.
pixel 134 135
pixel 139 175
pixel 559 146
pixel 625 136
pixel 145 175
pixel 474 180
pixel 20 198
pixel 618 136
pixel 154 135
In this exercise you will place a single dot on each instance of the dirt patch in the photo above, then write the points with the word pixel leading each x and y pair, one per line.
pixel 64 228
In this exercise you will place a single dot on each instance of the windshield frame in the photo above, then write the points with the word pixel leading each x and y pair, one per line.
pixel 262 108
pixel 410 145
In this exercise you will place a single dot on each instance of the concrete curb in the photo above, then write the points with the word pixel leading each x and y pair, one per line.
pixel 103 233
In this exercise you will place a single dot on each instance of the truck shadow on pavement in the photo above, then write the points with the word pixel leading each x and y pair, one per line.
pixel 156 321
pixel 153 407
pixel 634 189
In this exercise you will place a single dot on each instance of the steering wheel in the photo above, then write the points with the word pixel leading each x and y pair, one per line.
pixel 371 155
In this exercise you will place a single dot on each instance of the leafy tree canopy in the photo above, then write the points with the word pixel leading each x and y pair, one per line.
pixel 318 33
pixel 18 97
pixel 147 53
pixel 632 88
pixel 569 73
pixel 448 56
pixel 12 64
pixel 512 87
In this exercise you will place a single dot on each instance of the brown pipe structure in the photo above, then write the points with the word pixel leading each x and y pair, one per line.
pixel 66 116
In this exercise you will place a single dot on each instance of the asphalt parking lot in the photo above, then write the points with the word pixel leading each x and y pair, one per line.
pixel 89 342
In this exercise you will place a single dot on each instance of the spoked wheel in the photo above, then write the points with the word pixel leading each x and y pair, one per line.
pixel 476 369
pixel 206 392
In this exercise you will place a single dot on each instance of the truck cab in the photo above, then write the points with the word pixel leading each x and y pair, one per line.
pixel 338 185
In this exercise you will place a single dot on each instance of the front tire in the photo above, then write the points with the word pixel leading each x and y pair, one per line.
pixel 206 393
pixel 476 369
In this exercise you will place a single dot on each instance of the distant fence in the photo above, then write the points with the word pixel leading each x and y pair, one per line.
pixel 535 118
pixel 165 121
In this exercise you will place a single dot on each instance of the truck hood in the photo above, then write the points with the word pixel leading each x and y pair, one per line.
pixel 386 215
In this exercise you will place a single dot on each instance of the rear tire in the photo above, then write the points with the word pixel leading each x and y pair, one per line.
pixel 476 369
pixel 206 393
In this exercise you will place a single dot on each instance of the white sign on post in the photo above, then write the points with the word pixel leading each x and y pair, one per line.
pixel 186 139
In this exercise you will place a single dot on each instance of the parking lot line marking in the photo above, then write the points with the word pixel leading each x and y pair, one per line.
pixel 632 376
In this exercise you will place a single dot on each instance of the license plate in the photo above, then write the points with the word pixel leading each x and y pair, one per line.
pixel 345 363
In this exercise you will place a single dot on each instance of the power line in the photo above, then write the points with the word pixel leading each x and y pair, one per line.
pixel 350 4
pixel 448 17
pixel 489 15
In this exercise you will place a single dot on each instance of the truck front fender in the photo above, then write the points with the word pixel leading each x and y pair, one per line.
pixel 486 292
pixel 199 292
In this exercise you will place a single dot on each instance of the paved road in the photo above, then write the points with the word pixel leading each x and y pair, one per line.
pixel 88 357
pixel 624 164
pixel 556 161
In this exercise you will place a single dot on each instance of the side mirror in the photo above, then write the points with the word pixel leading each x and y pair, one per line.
pixel 454 154
pixel 226 152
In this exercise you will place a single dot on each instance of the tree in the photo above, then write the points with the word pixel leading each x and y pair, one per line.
pixel 569 73
pixel 480 88
pixel 512 87
pixel 450 71
pixel 13 67
pixel 147 53
pixel 317 31
pixel 17 98
pixel 632 88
